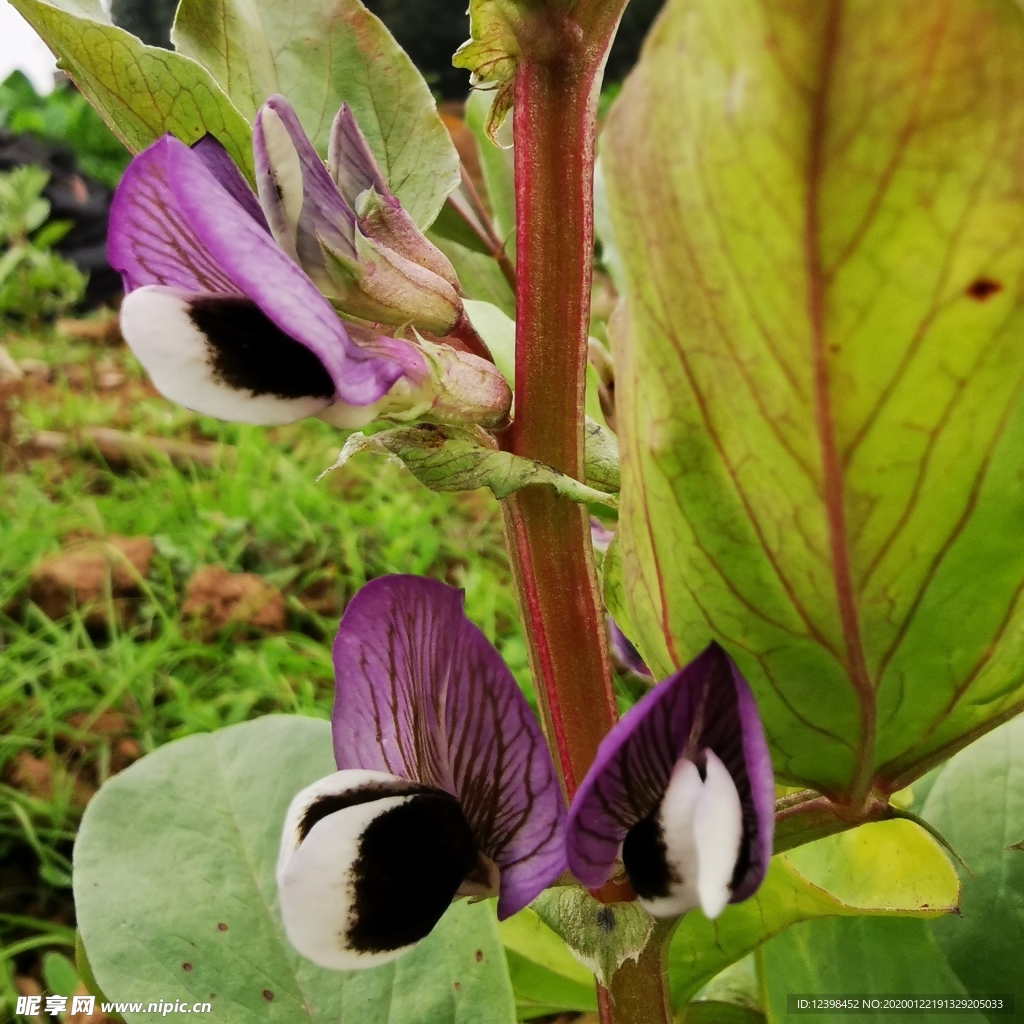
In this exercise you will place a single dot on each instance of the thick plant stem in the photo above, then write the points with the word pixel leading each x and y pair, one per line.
pixel 639 991
pixel 549 536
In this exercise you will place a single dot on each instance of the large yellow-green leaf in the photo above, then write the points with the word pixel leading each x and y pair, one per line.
pixel 820 211
pixel 319 54
pixel 140 91
pixel 890 868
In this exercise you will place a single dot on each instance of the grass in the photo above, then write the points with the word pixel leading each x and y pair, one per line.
pixel 72 699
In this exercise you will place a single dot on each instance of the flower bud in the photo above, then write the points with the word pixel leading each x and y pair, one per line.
pixel 396 276
pixel 439 384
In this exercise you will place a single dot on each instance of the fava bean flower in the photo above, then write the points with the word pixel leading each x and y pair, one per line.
pixel 682 790
pixel 226 305
pixel 445 786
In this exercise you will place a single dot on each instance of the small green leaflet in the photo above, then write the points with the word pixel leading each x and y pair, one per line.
pixel 446 458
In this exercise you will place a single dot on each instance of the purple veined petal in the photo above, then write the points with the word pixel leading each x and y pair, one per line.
pixel 350 161
pixel 223 168
pixel 421 694
pixel 149 241
pixel 173 224
pixel 641 766
pixel 296 191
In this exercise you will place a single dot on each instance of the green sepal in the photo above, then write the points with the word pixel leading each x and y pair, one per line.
pixel 602 936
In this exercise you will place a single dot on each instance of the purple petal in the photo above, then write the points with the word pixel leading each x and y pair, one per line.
pixel 600 535
pixel 422 694
pixel 351 163
pixel 223 168
pixel 624 654
pixel 323 213
pixel 172 223
pixel 706 705
pixel 150 241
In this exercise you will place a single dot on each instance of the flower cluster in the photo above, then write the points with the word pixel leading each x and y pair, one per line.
pixel 270 306
pixel 267 306
pixel 445 788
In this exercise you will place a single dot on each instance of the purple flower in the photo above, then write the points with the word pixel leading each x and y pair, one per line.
pixel 345 227
pixel 228 323
pixel 682 789
pixel 445 786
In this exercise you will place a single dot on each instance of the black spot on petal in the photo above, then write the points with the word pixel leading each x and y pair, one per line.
pixel 250 353
pixel 412 860
pixel 645 858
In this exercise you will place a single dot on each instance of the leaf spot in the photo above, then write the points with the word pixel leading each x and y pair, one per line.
pixel 606 919
pixel 479 955
pixel 984 288
pixel 222 927
pixel 268 995
pixel 186 967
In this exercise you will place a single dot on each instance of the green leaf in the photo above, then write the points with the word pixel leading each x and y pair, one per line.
pixel 141 91
pixel 320 54
pixel 480 276
pixel 174 880
pixel 499 331
pixel 977 803
pixel 881 869
pixel 857 956
pixel 496 163
pixel 601 936
pixel 737 986
pixel 492 54
pixel 446 458
pixel 611 258
pixel 714 1012
pixel 819 379
pixel 59 974
pixel 602 457
pixel 546 977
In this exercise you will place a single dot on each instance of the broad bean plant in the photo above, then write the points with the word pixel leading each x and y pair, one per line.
pixel 804 450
